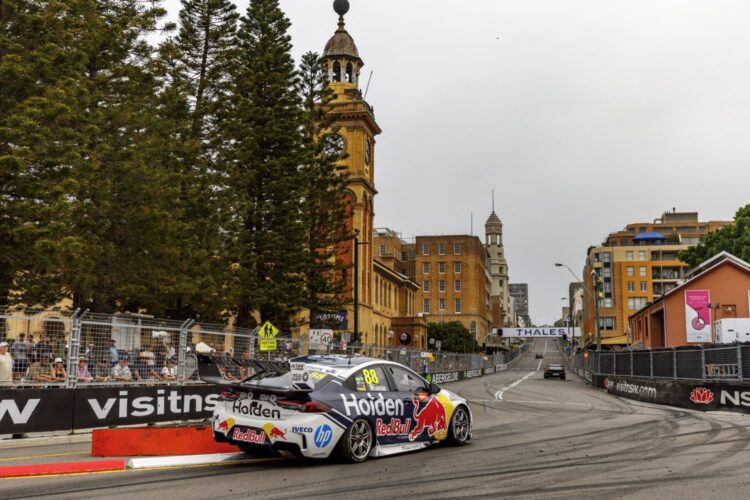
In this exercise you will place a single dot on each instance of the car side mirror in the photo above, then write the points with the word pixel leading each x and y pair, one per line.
pixel 434 388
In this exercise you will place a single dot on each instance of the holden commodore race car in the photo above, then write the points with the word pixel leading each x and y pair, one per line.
pixel 349 407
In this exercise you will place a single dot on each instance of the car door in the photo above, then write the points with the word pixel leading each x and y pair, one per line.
pixel 378 402
pixel 425 416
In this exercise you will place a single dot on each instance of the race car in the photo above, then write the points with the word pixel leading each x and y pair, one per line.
pixel 349 407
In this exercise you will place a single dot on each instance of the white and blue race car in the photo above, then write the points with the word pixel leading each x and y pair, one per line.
pixel 349 407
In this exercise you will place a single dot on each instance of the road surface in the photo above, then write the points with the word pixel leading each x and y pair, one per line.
pixel 533 438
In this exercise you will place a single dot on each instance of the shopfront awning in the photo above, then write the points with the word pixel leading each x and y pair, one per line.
pixel 621 340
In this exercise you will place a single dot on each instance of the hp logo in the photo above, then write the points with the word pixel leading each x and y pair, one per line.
pixel 323 435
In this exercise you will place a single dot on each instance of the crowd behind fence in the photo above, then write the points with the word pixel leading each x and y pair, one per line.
pixel 74 348
pixel 706 363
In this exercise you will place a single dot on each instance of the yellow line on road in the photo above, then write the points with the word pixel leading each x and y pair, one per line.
pixel 67 454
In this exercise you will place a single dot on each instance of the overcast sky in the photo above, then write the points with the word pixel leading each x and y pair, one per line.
pixel 584 116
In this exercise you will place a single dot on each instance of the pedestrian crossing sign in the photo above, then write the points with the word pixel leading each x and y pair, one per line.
pixel 268 331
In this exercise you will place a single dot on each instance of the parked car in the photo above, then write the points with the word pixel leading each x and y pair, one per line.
pixel 554 371
pixel 539 356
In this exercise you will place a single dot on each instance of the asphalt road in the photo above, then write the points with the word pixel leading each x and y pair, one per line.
pixel 533 438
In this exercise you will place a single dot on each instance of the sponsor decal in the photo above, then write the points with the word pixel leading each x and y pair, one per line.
pixel 736 398
pixel 323 436
pixel 144 406
pixel 273 432
pixel 489 370
pixel 255 409
pixel 698 315
pixel 379 406
pixel 442 378
pixel 271 398
pixel 430 418
pixel 629 389
pixel 393 428
pixel 248 436
pixel 18 415
pixel 703 396
pixel 472 373
pixel 302 429
pixel 225 425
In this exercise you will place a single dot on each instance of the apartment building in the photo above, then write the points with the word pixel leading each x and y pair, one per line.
pixel 636 266
pixel 455 281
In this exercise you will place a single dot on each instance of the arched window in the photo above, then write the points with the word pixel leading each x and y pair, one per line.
pixel 349 73
pixel 336 71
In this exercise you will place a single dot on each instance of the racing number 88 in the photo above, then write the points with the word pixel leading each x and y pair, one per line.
pixel 371 377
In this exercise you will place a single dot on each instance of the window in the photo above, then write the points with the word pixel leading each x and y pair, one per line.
pixel 629 255
pixel 441 304
pixel 458 306
pixel 425 249
pixel 371 379
pixel 382 250
pixel 425 267
pixel 641 255
pixel 635 303
pixel 644 286
pixel 607 272
pixel 642 271
pixel 426 286
pixel 441 285
pixel 457 267
pixel 630 271
pixel 407 380
pixel 606 323
pixel 457 285
pixel 473 328
pixel 441 248
pixel 457 249
pixel 441 267
pixel 631 286
pixel 605 303
pixel 426 306
pixel 606 257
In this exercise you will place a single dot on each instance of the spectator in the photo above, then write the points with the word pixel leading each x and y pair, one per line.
pixel 6 364
pixel 114 354
pixel 41 370
pixel 59 373
pixel 102 370
pixel 121 371
pixel 145 366
pixel 19 350
pixel 44 347
pixel 169 372
pixel 82 371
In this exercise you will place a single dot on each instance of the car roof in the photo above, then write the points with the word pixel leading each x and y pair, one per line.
pixel 555 366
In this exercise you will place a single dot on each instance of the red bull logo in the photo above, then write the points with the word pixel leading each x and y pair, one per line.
pixel 274 432
pixel 431 418
pixel 248 436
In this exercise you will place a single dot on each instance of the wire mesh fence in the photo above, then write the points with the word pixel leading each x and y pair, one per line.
pixel 715 362
pixel 62 348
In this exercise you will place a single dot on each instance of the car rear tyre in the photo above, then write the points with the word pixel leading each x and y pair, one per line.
pixel 458 430
pixel 356 443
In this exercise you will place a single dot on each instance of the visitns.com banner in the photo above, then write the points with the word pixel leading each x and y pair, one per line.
pixel 698 315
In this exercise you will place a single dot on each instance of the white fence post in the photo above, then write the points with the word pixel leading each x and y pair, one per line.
pixel 182 350
pixel 74 347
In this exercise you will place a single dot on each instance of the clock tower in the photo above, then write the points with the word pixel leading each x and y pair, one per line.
pixel 355 121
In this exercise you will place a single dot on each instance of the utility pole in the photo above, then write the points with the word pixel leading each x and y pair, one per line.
pixel 597 286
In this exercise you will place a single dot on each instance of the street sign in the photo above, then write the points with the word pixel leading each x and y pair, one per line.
pixel 267 344
pixel 320 338
pixel 346 336
pixel 438 344
pixel 268 331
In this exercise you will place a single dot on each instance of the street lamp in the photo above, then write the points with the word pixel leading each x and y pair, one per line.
pixel 595 280
pixel 357 243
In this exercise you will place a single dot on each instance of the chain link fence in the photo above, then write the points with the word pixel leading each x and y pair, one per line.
pixel 53 348
pixel 705 363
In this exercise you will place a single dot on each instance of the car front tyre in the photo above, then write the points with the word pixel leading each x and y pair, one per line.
pixel 356 443
pixel 458 431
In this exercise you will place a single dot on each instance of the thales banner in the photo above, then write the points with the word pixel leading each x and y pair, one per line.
pixel 534 332
pixel 698 315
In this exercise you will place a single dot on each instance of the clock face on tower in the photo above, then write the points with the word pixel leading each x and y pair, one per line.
pixel 368 151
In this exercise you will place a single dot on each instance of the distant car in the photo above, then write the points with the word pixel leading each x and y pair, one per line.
pixel 539 356
pixel 554 371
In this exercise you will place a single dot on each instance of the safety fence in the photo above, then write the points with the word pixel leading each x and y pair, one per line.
pixel 704 363
pixel 69 349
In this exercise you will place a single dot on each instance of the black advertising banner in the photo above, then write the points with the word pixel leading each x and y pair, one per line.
pixel 113 406
pixel 36 410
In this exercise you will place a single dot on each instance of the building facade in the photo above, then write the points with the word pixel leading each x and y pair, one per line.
pixel 636 266
pixel 455 281
pixel 520 294
pixel 723 281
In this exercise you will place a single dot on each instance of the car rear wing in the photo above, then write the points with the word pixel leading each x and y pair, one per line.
pixel 220 370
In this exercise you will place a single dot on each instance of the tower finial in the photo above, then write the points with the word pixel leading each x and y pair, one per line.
pixel 493 200
pixel 341 7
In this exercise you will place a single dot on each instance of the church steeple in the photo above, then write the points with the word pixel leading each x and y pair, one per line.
pixel 341 57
